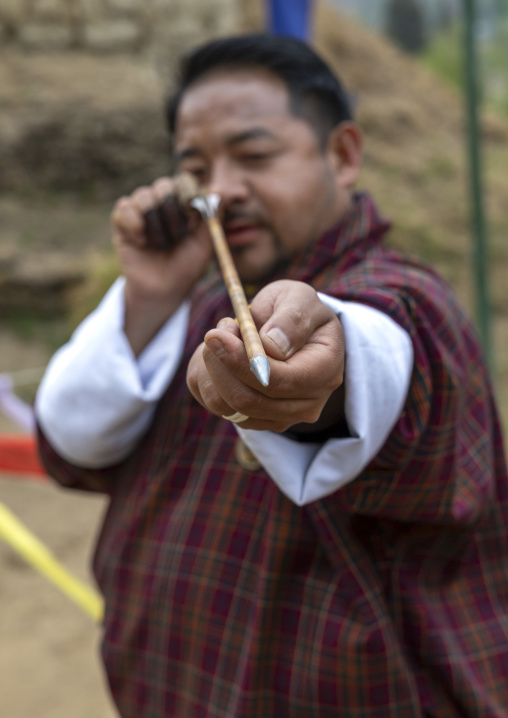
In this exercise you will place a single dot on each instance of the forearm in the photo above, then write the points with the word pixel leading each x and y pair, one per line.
pixel 145 315
pixel 69 475
pixel 96 400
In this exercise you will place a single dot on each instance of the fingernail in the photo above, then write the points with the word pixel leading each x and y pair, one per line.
pixel 216 346
pixel 280 339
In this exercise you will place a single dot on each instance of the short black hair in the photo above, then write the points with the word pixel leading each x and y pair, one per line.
pixel 316 94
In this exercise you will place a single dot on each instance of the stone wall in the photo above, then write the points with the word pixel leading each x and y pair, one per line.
pixel 113 26
pixel 82 84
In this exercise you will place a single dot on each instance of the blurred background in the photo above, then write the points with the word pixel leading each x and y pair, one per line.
pixel 82 86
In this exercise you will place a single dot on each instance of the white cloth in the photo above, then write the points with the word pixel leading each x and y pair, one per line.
pixel 379 362
pixel 96 401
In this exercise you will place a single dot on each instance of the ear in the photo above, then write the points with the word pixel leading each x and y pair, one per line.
pixel 345 145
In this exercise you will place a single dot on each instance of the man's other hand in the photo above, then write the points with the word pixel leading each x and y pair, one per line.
pixel 161 256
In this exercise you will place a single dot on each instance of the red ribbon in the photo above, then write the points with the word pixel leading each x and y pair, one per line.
pixel 19 455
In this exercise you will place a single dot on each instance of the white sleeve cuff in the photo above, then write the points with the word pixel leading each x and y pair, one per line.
pixel 95 400
pixel 379 363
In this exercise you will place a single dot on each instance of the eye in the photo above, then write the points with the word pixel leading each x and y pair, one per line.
pixel 199 173
pixel 256 157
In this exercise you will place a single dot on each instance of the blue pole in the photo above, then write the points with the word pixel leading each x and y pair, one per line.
pixel 290 17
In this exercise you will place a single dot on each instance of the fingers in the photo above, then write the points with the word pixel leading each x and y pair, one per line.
pixel 161 188
pixel 152 218
pixel 223 393
pixel 172 222
pixel 307 333
pixel 316 369
pixel 127 222
pixel 128 219
pixel 289 313
pixel 301 335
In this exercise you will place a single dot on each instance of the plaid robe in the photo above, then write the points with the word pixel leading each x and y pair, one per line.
pixel 387 599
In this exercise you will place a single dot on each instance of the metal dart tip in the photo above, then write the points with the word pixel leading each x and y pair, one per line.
pixel 260 367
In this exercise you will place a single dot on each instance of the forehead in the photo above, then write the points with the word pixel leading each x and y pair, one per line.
pixel 229 100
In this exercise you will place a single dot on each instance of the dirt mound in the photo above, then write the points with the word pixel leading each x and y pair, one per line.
pixel 71 121
pixel 94 126
pixel 76 122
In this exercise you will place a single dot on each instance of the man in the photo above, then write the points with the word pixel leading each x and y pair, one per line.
pixel 342 550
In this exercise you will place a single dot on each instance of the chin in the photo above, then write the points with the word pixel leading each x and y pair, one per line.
pixel 258 267
pixel 253 278
pixel 262 275
pixel 252 273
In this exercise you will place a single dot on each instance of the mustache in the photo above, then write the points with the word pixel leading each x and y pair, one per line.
pixel 233 214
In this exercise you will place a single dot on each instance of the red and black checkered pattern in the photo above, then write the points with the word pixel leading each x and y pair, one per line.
pixel 388 599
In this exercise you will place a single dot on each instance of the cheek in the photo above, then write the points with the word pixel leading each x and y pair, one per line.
pixel 296 201
pixel 295 222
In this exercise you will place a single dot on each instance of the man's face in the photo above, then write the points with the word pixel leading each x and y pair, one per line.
pixel 279 189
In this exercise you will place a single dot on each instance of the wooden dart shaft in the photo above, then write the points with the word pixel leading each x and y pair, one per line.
pixel 207 205
pixel 250 336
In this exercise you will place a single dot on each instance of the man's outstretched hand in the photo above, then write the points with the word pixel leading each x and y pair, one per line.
pixel 304 341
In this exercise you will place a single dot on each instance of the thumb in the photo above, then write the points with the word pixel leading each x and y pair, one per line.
pixel 289 313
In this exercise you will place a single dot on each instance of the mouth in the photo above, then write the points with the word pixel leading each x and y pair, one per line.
pixel 240 233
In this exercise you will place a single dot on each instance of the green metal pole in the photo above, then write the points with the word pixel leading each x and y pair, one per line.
pixel 476 189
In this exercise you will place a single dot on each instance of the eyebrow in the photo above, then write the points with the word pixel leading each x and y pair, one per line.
pixel 254 133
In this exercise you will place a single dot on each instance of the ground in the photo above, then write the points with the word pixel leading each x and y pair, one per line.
pixel 49 661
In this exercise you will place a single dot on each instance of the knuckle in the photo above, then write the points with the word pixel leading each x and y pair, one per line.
pixel 246 402
pixel 314 414
pixel 299 317
pixel 121 203
pixel 228 324
pixel 306 415
pixel 142 197
pixel 216 406
pixel 315 408
pixel 162 187
pixel 142 191
pixel 334 381
pixel 279 428
pixel 120 208
pixel 210 396
pixel 192 373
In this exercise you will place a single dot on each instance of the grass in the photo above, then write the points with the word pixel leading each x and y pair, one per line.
pixel 49 332
pixel 445 57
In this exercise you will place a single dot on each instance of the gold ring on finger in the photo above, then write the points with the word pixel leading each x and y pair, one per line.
pixel 236 418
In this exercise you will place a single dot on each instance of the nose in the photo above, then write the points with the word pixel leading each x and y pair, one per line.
pixel 228 182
